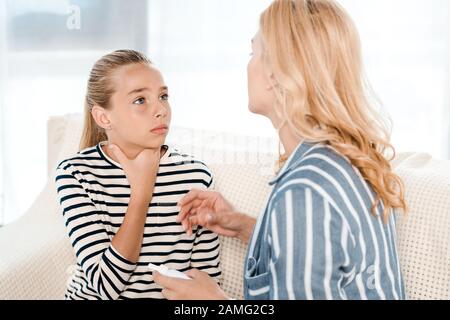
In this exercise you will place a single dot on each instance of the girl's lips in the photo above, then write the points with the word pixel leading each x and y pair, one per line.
pixel 160 130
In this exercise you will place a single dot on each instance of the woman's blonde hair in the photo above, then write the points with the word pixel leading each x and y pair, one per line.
pixel 313 49
pixel 100 88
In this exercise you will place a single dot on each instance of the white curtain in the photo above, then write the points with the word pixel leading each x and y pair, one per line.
pixel 201 47
pixel 407 53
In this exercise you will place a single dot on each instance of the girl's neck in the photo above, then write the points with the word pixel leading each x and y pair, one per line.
pixel 130 152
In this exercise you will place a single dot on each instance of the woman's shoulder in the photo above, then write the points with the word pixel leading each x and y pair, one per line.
pixel 325 171
pixel 324 176
pixel 325 160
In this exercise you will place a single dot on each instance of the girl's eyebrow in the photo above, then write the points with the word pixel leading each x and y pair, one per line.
pixel 138 90
pixel 163 88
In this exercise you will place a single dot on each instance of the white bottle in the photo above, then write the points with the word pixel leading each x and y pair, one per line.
pixel 168 272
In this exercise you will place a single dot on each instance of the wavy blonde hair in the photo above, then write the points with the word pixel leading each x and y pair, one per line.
pixel 313 49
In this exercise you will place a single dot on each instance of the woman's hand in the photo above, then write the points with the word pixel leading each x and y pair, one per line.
pixel 212 211
pixel 141 171
pixel 200 287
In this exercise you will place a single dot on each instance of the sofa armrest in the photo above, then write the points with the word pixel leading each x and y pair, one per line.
pixel 35 253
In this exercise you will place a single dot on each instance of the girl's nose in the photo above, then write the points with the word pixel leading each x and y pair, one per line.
pixel 161 112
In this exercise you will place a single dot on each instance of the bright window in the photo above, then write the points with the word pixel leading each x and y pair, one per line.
pixel 47 48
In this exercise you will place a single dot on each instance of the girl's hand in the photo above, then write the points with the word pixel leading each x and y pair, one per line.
pixel 212 211
pixel 141 171
pixel 200 287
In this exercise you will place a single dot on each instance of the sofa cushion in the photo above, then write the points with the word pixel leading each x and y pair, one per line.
pixel 424 234
pixel 38 269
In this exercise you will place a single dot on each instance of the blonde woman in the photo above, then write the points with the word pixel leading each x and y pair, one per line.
pixel 119 194
pixel 328 230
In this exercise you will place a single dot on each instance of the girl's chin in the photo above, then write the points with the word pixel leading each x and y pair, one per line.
pixel 154 145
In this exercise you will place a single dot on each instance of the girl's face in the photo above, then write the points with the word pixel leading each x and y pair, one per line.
pixel 260 89
pixel 140 112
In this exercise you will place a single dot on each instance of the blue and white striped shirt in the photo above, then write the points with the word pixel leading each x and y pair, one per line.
pixel 317 237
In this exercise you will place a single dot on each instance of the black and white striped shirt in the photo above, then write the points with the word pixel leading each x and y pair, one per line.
pixel 94 194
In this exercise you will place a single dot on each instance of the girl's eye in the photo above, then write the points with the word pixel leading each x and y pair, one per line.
pixel 164 97
pixel 139 101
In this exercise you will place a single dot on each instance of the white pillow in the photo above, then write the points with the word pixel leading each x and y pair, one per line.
pixel 63 139
pixel 424 235
pixel 247 189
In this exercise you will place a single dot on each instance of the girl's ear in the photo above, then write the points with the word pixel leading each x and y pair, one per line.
pixel 101 117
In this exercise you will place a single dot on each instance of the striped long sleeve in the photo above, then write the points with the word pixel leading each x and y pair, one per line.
pixel 206 253
pixel 308 253
pixel 206 249
pixel 106 270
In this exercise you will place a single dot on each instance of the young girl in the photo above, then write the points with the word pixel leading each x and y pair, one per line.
pixel 119 194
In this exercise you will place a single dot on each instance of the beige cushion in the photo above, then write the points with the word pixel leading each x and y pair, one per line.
pixel 35 252
pixel 248 190
pixel 424 235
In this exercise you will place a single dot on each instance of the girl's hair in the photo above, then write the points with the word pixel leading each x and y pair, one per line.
pixel 313 49
pixel 100 88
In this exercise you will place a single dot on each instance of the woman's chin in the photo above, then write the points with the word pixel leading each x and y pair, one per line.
pixel 252 109
pixel 256 110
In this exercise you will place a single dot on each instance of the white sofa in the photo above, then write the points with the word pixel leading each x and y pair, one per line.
pixel 36 257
